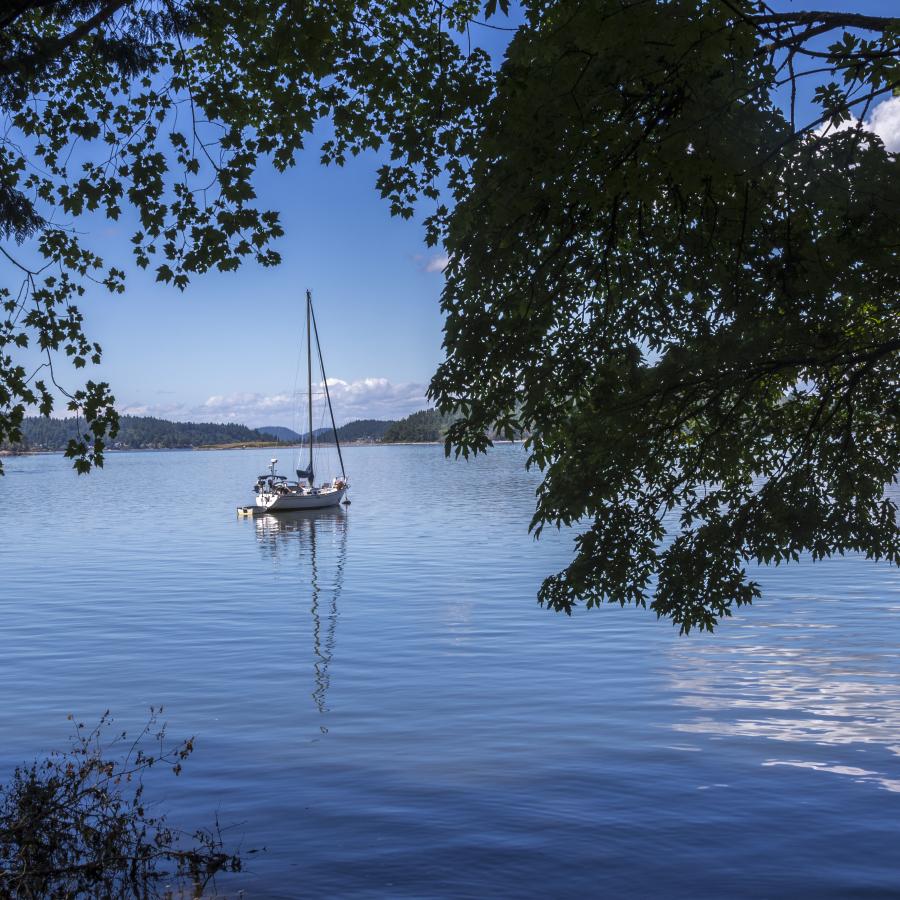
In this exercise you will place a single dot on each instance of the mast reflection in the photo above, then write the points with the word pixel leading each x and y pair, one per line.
pixel 321 537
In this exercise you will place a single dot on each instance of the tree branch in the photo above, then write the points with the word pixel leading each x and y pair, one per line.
pixel 832 19
pixel 55 47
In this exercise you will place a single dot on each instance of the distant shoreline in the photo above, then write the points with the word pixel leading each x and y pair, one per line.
pixel 260 446
pixel 39 434
pixel 241 446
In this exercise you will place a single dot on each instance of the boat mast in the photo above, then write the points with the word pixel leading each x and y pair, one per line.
pixel 337 441
pixel 309 380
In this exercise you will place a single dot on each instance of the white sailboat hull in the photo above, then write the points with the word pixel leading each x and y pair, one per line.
pixel 320 499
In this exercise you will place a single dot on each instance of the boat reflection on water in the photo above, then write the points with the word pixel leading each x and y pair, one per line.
pixel 317 538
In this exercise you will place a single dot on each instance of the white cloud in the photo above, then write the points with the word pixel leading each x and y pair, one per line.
pixel 233 405
pixel 437 263
pixel 883 120
pixel 375 398
pixel 174 411
pixel 366 398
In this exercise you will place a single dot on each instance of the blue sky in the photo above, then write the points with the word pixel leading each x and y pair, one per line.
pixel 227 348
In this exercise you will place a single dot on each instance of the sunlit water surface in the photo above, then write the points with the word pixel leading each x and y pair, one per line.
pixel 380 703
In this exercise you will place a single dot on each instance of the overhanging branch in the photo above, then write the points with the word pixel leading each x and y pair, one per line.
pixel 55 47
pixel 832 19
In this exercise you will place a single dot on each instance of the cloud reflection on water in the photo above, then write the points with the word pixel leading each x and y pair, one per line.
pixel 798 682
pixel 860 775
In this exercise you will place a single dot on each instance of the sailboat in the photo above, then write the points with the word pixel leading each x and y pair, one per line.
pixel 274 492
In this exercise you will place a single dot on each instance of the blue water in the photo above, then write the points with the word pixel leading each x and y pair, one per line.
pixel 380 703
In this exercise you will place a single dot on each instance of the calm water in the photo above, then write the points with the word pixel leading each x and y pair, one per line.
pixel 379 701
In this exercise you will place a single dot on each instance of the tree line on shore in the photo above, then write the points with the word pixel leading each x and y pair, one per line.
pixel 136 433
pixel 150 433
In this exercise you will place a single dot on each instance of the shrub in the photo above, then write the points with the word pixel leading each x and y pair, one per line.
pixel 76 823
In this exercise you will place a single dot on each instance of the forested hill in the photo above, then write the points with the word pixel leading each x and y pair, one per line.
pixel 146 432
pixel 364 430
pixel 428 426
pixel 280 433
pixel 425 425
pixel 139 432
pixel 358 430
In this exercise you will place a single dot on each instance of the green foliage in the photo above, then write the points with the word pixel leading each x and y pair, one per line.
pixel 77 824
pixel 427 425
pixel 688 300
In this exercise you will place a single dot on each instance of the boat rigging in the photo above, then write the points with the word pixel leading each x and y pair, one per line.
pixel 275 492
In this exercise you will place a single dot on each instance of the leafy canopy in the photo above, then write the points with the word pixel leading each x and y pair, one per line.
pixel 686 296
pixel 683 292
